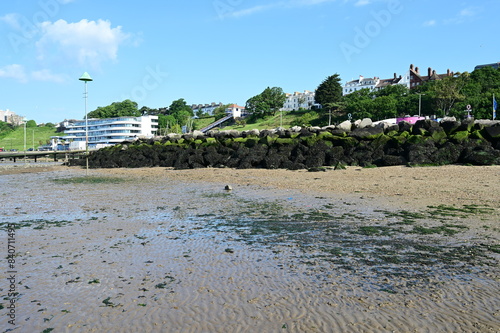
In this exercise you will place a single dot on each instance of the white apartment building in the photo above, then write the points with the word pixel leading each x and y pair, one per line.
pixel 361 83
pixel 110 131
pixel 10 117
pixel 299 100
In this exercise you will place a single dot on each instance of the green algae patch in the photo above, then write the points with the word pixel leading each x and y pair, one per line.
pixel 90 180
pixel 326 136
pixel 285 141
pixel 460 136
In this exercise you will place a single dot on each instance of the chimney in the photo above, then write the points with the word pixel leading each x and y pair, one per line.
pixel 395 75
pixel 416 70
pixel 411 67
pixel 434 72
pixel 448 72
pixel 429 71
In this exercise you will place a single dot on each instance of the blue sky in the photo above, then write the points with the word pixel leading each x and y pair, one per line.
pixel 155 52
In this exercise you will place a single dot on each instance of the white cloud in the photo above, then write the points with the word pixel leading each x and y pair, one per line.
pixel 89 43
pixel 465 15
pixel 48 76
pixel 362 3
pixel 280 4
pixel 12 20
pixel 19 73
pixel 15 72
pixel 429 23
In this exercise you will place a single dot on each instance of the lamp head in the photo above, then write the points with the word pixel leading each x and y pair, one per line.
pixel 85 77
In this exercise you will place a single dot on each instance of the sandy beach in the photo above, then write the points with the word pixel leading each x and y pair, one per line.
pixel 391 249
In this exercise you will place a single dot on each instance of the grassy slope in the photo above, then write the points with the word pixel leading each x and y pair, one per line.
pixel 35 136
pixel 276 121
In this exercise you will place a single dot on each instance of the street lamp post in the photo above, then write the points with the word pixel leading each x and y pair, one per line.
pixel 25 120
pixel 86 78
pixel 419 103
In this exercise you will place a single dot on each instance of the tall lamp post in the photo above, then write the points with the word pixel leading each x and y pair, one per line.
pixel 86 78
pixel 419 103
pixel 25 120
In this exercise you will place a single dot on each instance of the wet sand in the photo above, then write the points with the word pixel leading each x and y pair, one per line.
pixel 284 251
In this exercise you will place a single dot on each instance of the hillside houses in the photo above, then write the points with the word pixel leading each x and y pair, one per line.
pixel 411 79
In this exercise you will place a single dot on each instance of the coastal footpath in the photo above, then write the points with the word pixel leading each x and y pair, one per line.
pixel 363 143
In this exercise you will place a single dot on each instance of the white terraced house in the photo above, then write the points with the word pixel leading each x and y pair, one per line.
pixel 110 131
pixel 299 100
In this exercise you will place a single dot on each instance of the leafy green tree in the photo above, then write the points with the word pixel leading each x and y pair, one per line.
pixel 448 91
pixel 220 111
pixel 384 107
pixel 396 90
pixel 165 123
pixel 31 123
pixel 179 105
pixel 116 109
pixel 329 95
pixel 358 103
pixel 267 103
pixel 329 91
pixel 181 111
pixel 146 111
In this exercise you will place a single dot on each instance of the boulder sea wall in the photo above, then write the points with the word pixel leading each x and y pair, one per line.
pixel 425 142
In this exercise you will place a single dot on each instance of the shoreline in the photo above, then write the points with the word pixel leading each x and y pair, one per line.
pixel 172 251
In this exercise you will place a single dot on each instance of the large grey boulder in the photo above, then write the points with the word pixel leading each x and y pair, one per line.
pixel 346 126
pixel 197 134
pixel 366 122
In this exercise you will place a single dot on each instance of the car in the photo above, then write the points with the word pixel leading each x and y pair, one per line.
pixel 13 150
pixel 30 149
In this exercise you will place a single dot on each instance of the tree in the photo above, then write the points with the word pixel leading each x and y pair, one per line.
pixel 329 91
pixel 358 103
pixel 166 123
pixel 448 91
pixel 31 123
pixel 329 94
pixel 220 111
pixel 384 107
pixel 146 111
pixel 267 103
pixel 127 108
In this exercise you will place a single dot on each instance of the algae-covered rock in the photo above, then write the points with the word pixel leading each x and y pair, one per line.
pixel 449 153
pixel 476 135
pixel 459 137
pixel 368 133
pixel 404 126
pixel 325 136
pixel 450 127
pixel 466 125
pixel 437 134
pixel 492 133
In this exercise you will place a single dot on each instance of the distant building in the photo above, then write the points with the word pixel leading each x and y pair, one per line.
pixel 417 79
pixel 236 111
pixel 206 108
pixel 495 65
pixel 361 83
pixel 110 131
pixel 299 100
pixel 411 79
pixel 10 117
